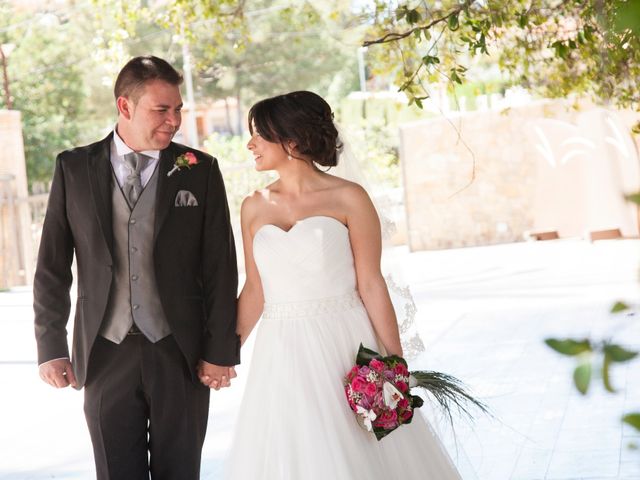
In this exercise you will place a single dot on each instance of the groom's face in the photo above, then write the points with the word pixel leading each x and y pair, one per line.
pixel 151 122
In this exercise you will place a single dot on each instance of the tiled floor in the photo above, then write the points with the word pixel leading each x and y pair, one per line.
pixel 483 314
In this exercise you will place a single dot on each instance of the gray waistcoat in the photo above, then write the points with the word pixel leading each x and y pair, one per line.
pixel 134 294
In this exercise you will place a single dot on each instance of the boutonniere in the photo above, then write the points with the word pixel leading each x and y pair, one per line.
pixel 187 160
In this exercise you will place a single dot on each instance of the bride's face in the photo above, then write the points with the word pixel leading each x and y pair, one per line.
pixel 267 155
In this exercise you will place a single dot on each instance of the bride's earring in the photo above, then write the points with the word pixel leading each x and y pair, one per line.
pixel 289 155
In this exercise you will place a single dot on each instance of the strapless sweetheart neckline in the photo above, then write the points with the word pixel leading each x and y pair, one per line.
pixel 298 223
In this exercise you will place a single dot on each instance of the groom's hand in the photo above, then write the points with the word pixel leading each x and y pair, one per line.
pixel 215 376
pixel 58 373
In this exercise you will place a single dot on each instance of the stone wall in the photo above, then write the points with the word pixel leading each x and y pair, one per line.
pixel 16 249
pixel 478 178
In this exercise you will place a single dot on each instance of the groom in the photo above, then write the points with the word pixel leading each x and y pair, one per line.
pixel 157 281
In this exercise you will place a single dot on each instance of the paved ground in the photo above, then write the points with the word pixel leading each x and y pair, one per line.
pixel 483 313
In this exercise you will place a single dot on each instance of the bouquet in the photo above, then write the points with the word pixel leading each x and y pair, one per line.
pixel 378 391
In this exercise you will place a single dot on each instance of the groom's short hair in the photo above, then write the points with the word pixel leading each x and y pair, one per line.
pixel 140 70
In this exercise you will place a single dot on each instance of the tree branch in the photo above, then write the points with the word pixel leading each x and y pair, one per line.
pixel 394 36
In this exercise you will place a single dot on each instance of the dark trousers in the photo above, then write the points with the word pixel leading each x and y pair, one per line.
pixel 144 412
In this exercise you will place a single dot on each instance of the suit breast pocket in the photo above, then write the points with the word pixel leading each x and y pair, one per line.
pixel 187 219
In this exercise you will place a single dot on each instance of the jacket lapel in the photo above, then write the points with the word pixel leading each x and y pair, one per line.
pixel 167 188
pixel 99 165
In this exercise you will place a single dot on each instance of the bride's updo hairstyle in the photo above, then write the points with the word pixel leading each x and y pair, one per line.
pixel 303 118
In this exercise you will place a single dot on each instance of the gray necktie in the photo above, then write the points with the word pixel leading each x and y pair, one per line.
pixel 132 187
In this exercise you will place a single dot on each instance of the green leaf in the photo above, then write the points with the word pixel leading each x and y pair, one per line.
pixel 619 307
pixel 418 103
pixel 523 19
pixel 632 419
pixel 606 378
pixel 413 16
pixel 562 51
pixel 365 355
pixel 453 22
pixel 582 376
pixel 569 346
pixel 619 354
pixel 430 59
pixel 588 32
pixel 634 197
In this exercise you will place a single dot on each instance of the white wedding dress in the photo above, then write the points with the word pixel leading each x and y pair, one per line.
pixel 295 422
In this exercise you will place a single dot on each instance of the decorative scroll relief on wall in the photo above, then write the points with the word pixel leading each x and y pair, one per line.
pixel 584 169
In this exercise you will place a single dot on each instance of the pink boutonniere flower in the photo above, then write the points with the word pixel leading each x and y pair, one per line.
pixel 186 160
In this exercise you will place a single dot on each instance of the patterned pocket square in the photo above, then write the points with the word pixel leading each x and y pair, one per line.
pixel 185 198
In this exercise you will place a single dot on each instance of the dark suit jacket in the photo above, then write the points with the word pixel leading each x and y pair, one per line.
pixel 193 250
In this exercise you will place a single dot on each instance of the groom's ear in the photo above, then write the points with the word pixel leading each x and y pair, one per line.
pixel 125 107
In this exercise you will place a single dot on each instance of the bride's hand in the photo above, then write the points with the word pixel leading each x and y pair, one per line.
pixel 215 376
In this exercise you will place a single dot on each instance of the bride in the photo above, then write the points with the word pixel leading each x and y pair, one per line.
pixel 312 245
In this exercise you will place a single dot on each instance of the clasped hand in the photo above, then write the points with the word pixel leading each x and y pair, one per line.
pixel 215 376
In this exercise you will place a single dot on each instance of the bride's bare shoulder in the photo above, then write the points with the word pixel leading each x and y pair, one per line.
pixel 256 201
pixel 348 190
pixel 351 197
pixel 262 196
pixel 344 186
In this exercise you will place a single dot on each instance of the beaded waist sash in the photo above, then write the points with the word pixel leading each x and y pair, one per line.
pixel 308 308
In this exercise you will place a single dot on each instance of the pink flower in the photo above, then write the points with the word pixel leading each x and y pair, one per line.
pixel 403 387
pixel 186 160
pixel 406 415
pixel 378 401
pixel 403 403
pixel 387 420
pixel 191 158
pixel 358 384
pixel 376 365
pixel 400 369
pixel 370 389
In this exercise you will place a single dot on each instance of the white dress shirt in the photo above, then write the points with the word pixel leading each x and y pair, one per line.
pixel 121 168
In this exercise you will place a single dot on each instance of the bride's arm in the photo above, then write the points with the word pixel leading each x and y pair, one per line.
pixel 366 243
pixel 251 301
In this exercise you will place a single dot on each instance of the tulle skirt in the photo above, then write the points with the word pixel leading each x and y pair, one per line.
pixel 295 422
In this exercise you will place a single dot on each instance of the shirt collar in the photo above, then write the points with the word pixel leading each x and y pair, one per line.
pixel 122 148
